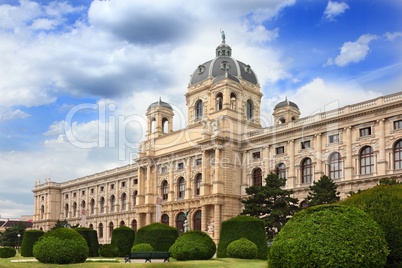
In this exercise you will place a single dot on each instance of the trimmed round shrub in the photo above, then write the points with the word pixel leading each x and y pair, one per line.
pixel 242 249
pixel 247 227
pixel 61 246
pixel 384 204
pixel 329 236
pixel 109 251
pixel 91 236
pixel 28 241
pixel 7 252
pixel 142 248
pixel 160 236
pixel 193 245
pixel 123 238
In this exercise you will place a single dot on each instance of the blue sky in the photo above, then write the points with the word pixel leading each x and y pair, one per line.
pixel 76 77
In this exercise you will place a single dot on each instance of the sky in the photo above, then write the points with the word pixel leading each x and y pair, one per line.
pixel 76 77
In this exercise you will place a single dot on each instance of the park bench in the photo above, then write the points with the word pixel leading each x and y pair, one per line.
pixel 148 256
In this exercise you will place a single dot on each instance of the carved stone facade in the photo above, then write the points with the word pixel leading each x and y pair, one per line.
pixel 202 171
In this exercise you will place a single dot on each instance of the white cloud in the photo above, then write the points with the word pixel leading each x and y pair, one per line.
pixel 12 114
pixel 335 9
pixel 353 52
pixel 319 96
pixel 391 36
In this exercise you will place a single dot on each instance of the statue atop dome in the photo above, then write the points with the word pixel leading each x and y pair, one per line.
pixel 223 36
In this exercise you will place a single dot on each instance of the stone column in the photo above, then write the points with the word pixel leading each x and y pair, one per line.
pixel 217 222
pixel 188 193
pixel 291 177
pixel 149 193
pixel 349 158
pixel 217 182
pixel 204 224
pixel 318 170
pixel 205 177
pixel 382 161
pixel 171 182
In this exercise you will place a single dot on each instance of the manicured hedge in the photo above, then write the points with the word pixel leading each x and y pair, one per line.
pixel 160 236
pixel 7 252
pixel 384 204
pixel 242 249
pixel 329 236
pixel 123 238
pixel 109 251
pixel 193 245
pixel 91 236
pixel 243 227
pixel 142 248
pixel 28 241
pixel 61 246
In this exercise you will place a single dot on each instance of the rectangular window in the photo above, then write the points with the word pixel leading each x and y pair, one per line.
pixel 365 131
pixel 280 150
pixel 180 165
pixel 83 192
pixel 92 190
pixel 256 155
pixel 101 188
pixel 135 181
pixel 398 124
pixel 164 169
pixel 74 194
pixel 198 161
pixel 305 144
pixel 111 186
pixel 66 196
pixel 123 184
pixel 334 138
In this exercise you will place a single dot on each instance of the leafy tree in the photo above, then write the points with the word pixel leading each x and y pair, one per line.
pixel 388 181
pixel 10 236
pixel 63 224
pixel 270 203
pixel 324 191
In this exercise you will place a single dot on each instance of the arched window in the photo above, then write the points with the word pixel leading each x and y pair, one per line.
pixel 83 204
pixel 135 198
pixel 92 206
pixel 111 227
pixel 335 166
pixel 66 210
pixel 42 212
pixel 123 202
pixel 122 223
pixel 165 123
pixel 198 110
pixel 165 219
pixel 74 209
pixel 281 171
pixel 112 203
pixel 398 155
pixel 134 225
pixel 250 109
pixel 307 170
pixel 197 220
pixel 165 190
pixel 102 205
pixel 219 101
pixel 153 125
pixel 198 181
pixel 180 222
pixel 181 188
pixel 366 161
pixel 257 177
pixel 91 226
pixel 100 230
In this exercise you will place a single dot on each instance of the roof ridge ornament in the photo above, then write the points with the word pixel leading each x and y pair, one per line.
pixel 223 36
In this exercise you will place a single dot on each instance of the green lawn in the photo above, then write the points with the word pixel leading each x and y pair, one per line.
pixel 224 262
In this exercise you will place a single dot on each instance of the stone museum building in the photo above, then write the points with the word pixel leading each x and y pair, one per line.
pixel 203 169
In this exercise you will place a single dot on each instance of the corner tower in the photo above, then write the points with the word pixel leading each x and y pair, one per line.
pixel 160 119
pixel 224 87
